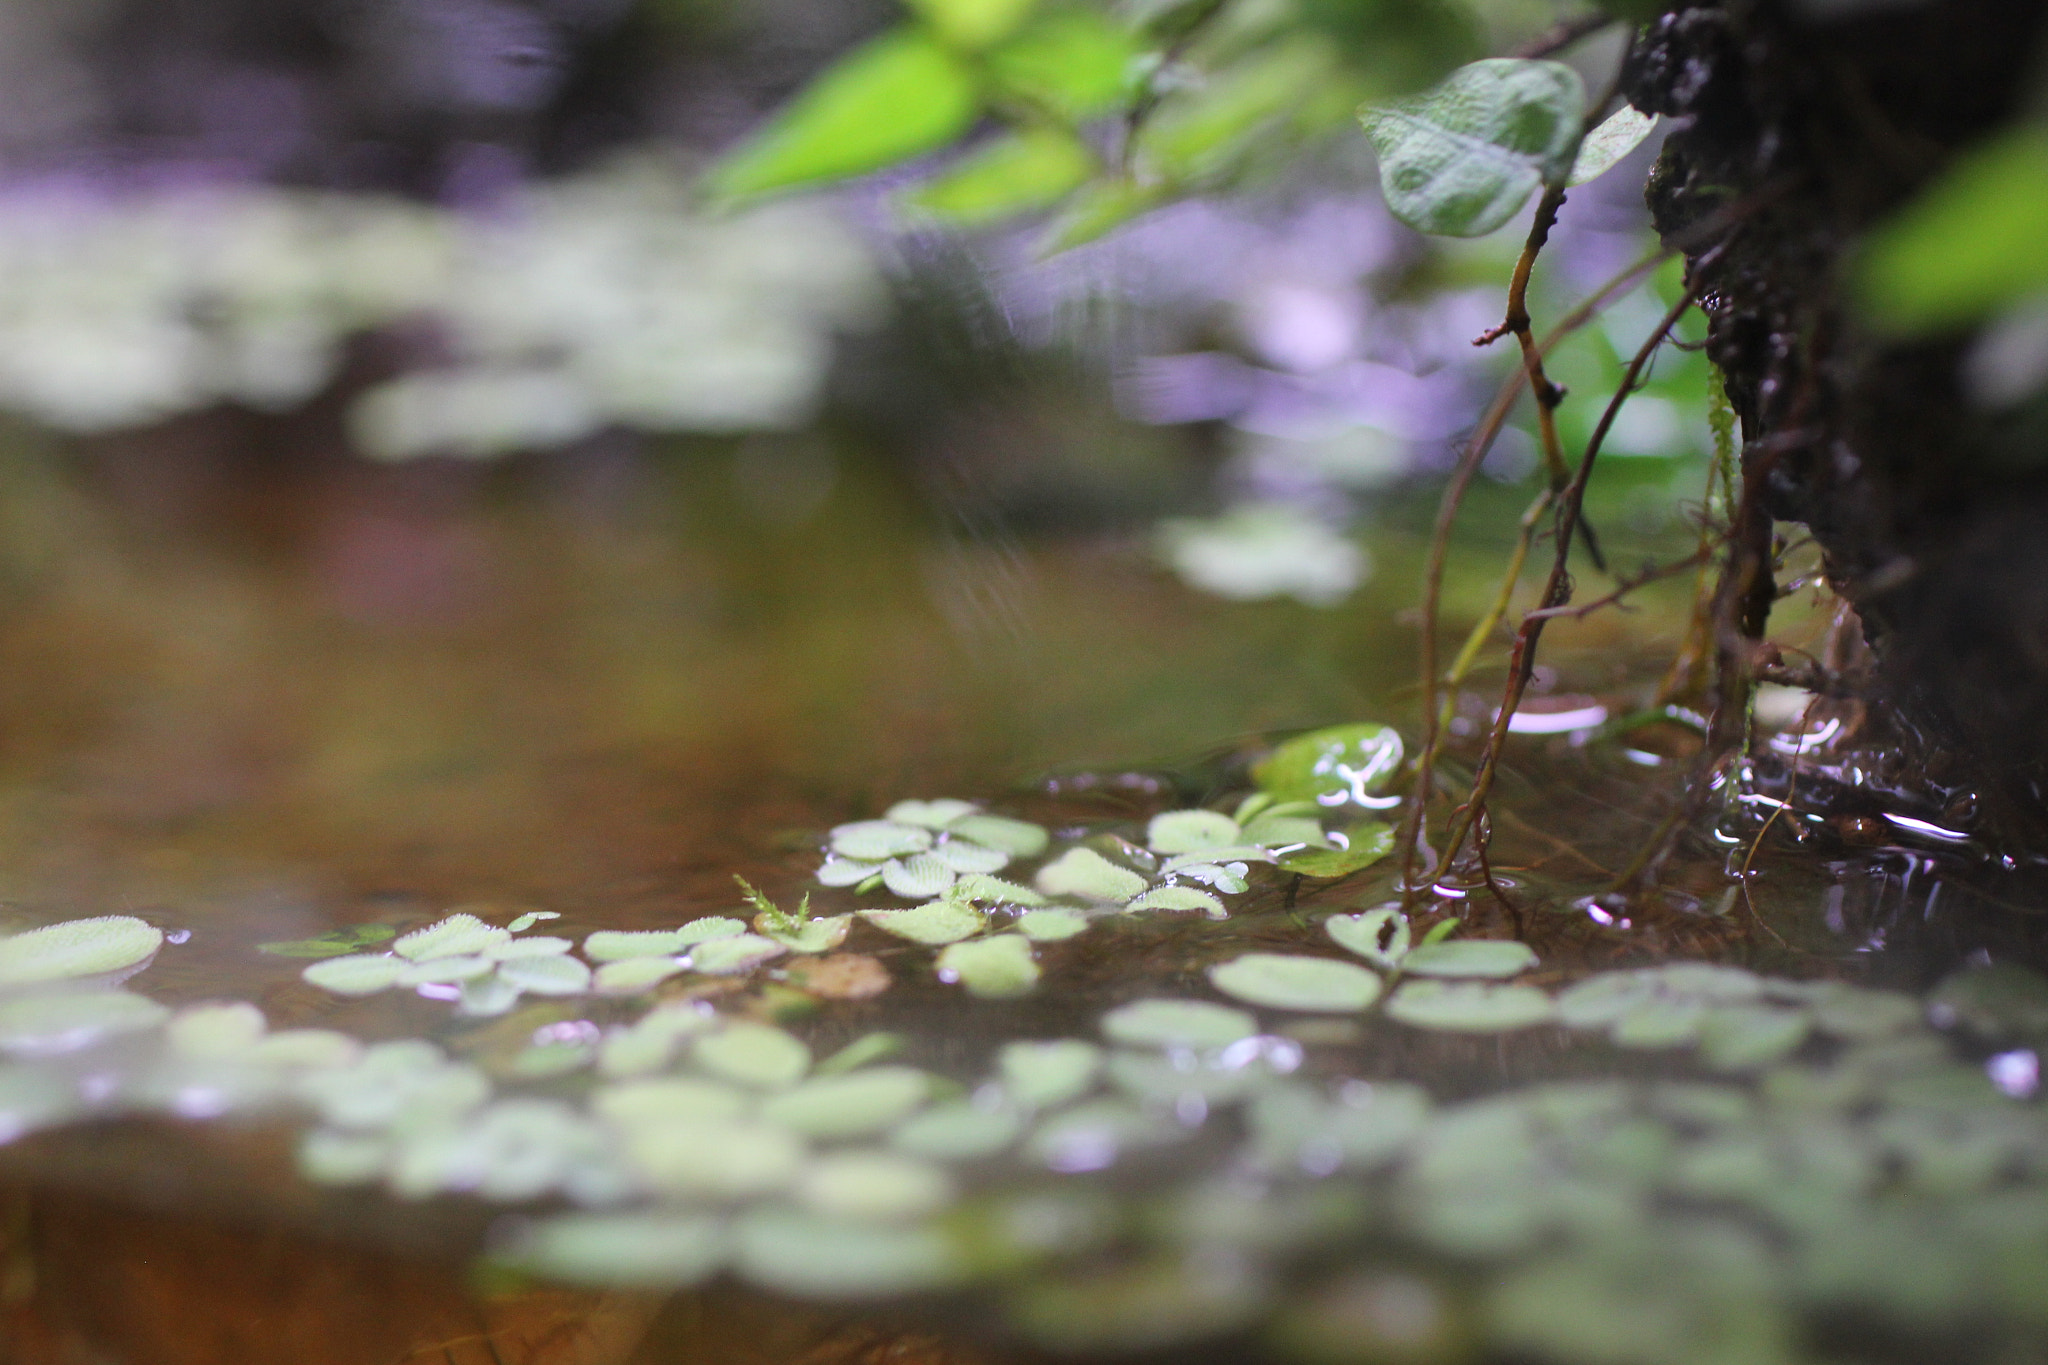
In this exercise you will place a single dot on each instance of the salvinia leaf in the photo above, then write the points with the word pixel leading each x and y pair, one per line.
pixel 1460 160
pixel 894 98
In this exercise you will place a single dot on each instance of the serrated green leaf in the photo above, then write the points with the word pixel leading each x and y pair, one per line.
pixel 1369 842
pixel 930 814
pixel 357 974
pixel 1052 925
pixel 1967 244
pixel 1617 135
pixel 1190 831
pixel 1290 982
pixel 79 947
pixel 812 936
pixel 934 923
pixel 1084 873
pixel 1177 898
pixel 1019 172
pixel 1462 159
pixel 459 935
pixel 735 955
pixel 1072 62
pixel 879 840
pixel 896 97
pixel 1018 838
pixel 918 876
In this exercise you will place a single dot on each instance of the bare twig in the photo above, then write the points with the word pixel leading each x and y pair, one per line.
pixel 1649 574
pixel 1564 33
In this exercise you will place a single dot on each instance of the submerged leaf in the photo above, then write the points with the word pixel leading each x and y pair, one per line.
pixel 1086 874
pixel 1470 1007
pixel 1460 160
pixel 1177 1023
pixel 75 948
pixel 994 968
pixel 1288 982
pixel 1470 957
pixel 333 943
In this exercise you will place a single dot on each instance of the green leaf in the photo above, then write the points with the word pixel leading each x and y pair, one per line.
pixel 333 943
pixel 546 975
pixel 1084 873
pixel 918 876
pixel 715 1158
pixel 357 974
pixel 1178 898
pixel 934 923
pixel 1050 926
pixel 1177 1023
pixel 1380 936
pixel 958 1131
pixel 1287 982
pixel 519 925
pixel 1073 63
pixel 1275 830
pixel 1100 209
pixel 1969 243
pixel 993 968
pixel 874 1187
pixel 808 1256
pixel 67 1021
pixel 875 840
pixel 930 814
pixel 1049 1074
pixel 1470 957
pixel 735 955
pixel 973 24
pixel 979 889
pixel 628 976
pixel 1369 842
pixel 460 935
pixel 754 1054
pixel 621 1250
pixel 1018 838
pixel 1344 763
pixel 833 1108
pixel 1469 1007
pixel 869 1047
pixel 1190 831
pixel 1018 172
pixel 79 947
pixel 896 97
pixel 1207 132
pixel 1460 160
pixel 813 936
pixel 1618 134
pixel 1742 1037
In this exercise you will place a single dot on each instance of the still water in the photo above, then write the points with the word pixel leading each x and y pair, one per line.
pixel 252 700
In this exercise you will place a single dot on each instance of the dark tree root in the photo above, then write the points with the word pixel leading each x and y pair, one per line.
pixel 1931 515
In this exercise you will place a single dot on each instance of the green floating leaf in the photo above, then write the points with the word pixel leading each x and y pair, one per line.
pixel 935 923
pixel 1968 244
pixel 726 1159
pixel 2003 1002
pixel 973 24
pixel 1743 1037
pixel 221 1030
pixel 879 840
pixel 546 975
pixel 1051 926
pixel 958 1131
pixel 1344 763
pixel 1092 1136
pixel 1460 160
pixel 833 1108
pixel 736 955
pixel 815 936
pixel 994 968
pixel 358 974
pixel 1073 62
pixel 1286 982
pixel 522 923
pixel 64 1022
pixel 622 1250
pixel 1380 936
pixel 1087 875
pixel 618 945
pixel 929 814
pixel 968 858
pixel 668 1101
pixel 75 948
pixel 896 97
pixel 1018 838
pixel 1617 135
pixel 460 935
pixel 1275 829
pixel 880 1187
pixel 1178 898
pixel 1608 998
pixel 984 890
pixel 631 975
pixel 869 1047
pixel 447 971
pixel 1469 1007
pixel 810 1256
pixel 1470 957
pixel 1159 1079
pixel 1047 1075
pixel 1177 1023
pixel 1367 843
pixel 919 876
pixel 754 1054
pixel 1857 1014
pixel 307 1049
pixel 539 945
pixel 333 943
pixel 1190 831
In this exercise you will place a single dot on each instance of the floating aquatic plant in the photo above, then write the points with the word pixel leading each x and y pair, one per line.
pixel 993 968
pixel 1177 1023
pixel 335 942
pixel 1291 982
pixel 1342 765
pixel 77 948
pixel 1469 1007
pixel 921 848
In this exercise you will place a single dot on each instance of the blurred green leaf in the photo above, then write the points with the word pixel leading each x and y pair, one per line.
pixel 1073 63
pixel 1203 133
pixel 1100 209
pixel 898 96
pixel 1460 160
pixel 1341 763
pixel 973 24
pixel 1032 168
pixel 1971 241
pixel 1370 842
pixel 333 943
pixel 1618 134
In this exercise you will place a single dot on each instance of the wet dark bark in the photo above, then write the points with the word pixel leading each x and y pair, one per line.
pixel 1932 514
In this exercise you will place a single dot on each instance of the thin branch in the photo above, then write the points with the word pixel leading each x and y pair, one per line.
pixel 1650 574
pixel 1564 33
